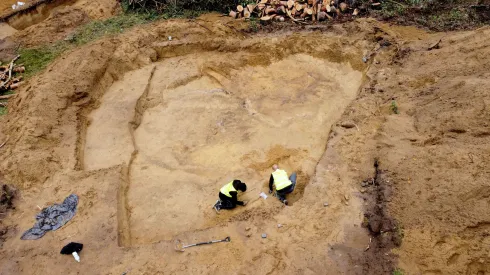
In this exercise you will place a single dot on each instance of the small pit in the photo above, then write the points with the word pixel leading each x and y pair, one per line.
pixel 189 124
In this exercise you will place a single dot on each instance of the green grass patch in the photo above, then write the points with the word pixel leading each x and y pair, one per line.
pixel 37 59
pixel 439 15
pixel 97 29
pixel 3 111
pixel 253 24
pixel 398 271
pixel 394 107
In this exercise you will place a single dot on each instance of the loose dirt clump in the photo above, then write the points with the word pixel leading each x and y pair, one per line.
pixel 7 196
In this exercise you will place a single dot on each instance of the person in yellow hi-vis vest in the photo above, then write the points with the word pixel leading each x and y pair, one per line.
pixel 284 185
pixel 228 195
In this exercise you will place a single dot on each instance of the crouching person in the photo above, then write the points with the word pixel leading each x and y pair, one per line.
pixel 228 195
pixel 284 185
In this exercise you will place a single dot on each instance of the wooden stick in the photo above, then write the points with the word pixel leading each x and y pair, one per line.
pixel 270 10
pixel 11 66
pixel 7 96
pixel 5 142
pixel 246 14
pixel 294 20
pixel 251 8
pixel 396 3
pixel 205 26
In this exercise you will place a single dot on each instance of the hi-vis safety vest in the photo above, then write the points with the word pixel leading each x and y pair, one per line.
pixel 227 189
pixel 281 179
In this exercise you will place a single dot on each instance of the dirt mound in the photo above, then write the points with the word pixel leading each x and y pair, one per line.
pixel 435 148
pixel 58 25
pixel 43 22
pixel 226 87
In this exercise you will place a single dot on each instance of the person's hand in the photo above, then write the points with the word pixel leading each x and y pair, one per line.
pixel 245 203
pixel 270 191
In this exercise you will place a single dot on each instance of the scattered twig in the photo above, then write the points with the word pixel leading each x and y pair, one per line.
pixel 5 142
pixel 201 25
pixel 295 20
pixel 7 96
pixel 11 66
pixel 393 2
pixel 369 245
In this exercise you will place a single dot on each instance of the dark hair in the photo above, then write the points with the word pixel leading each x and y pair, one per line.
pixel 238 185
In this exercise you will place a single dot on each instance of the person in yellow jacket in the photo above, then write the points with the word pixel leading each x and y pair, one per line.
pixel 284 185
pixel 228 195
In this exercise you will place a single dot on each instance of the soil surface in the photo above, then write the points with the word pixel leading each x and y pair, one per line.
pixel 146 130
pixel 43 22
pixel 6 5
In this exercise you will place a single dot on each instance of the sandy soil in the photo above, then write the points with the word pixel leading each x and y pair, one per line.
pixel 216 117
pixel 145 131
pixel 44 22
pixel 6 5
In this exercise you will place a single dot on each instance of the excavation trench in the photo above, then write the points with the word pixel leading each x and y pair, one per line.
pixel 34 12
pixel 188 124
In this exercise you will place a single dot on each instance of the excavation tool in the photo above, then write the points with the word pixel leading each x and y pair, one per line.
pixel 179 246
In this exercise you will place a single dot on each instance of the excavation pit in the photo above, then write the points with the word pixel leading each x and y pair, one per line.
pixel 187 125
